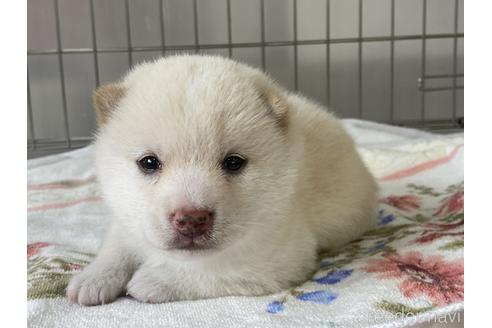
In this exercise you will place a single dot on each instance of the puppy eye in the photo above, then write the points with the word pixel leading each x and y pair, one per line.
pixel 233 163
pixel 149 164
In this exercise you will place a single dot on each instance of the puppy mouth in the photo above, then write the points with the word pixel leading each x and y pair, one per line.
pixel 181 242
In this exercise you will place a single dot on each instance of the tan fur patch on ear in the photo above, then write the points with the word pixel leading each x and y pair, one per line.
pixel 277 104
pixel 105 99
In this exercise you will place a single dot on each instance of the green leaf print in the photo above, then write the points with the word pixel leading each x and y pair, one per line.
pixel 400 309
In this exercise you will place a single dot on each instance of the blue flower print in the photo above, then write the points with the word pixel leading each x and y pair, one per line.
pixel 377 247
pixel 385 219
pixel 275 307
pixel 319 296
pixel 334 277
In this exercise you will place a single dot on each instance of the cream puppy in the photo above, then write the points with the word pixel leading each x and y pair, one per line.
pixel 221 183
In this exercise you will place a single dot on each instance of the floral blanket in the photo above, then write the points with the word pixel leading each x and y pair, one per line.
pixel 408 270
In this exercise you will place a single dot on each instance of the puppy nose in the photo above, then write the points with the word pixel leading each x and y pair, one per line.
pixel 192 223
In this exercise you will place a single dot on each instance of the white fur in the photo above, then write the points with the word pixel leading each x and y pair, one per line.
pixel 304 188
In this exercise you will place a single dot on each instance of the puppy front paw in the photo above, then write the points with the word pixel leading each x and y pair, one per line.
pixel 95 287
pixel 147 287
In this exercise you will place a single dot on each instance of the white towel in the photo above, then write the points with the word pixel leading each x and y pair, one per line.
pixel 409 270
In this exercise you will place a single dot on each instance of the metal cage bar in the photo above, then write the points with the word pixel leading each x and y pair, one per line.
pixel 247 44
pixel 229 29
pixel 162 27
pixel 296 50
pixel 455 57
pixel 128 33
pixel 392 62
pixel 359 60
pixel 62 75
pixel 423 63
pixel 29 113
pixel 68 142
pixel 195 25
pixel 440 76
pixel 94 43
pixel 262 29
pixel 328 63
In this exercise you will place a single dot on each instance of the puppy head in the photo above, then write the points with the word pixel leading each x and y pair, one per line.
pixel 193 153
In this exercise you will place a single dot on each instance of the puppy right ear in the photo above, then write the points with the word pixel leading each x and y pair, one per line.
pixel 105 99
pixel 277 104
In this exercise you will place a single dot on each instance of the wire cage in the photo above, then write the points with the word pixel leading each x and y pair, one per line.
pixel 393 61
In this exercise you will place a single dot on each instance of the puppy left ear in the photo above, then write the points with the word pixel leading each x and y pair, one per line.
pixel 274 98
pixel 106 99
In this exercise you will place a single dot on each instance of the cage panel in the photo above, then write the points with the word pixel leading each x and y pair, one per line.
pixel 408 17
pixel 311 19
pixel 280 63
pixel 344 79
pixel 46 96
pixel 112 66
pixel 250 56
pixel 439 56
pixel 460 64
pixel 460 103
pixel 279 20
pixel 179 24
pixel 312 76
pixel 407 72
pixel 41 27
pixel 376 17
pixel 79 82
pixel 344 21
pixel 111 24
pixel 376 95
pixel 438 105
pixel 460 16
pixel 215 30
pixel 440 16
pixel 75 24
pixel 145 26
pixel 245 21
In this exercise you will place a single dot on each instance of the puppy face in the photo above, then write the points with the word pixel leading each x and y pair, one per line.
pixel 193 155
